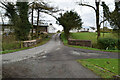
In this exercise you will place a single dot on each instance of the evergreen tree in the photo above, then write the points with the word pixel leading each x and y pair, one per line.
pixel 18 15
pixel 69 20
pixel 24 25
pixel 113 17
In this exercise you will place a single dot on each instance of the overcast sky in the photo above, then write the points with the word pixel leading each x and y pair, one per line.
pixel 87 14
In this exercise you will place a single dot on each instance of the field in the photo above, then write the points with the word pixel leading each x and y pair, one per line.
pixel 106 68
pixel 90 36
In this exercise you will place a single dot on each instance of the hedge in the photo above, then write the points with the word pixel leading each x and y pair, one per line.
pixel 108 43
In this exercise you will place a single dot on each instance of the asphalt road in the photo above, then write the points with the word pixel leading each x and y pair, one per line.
pixel 51 60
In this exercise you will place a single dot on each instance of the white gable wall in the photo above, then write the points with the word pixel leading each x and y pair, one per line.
pixel 51 29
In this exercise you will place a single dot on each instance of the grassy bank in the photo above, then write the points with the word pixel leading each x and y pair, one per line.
pixel 66 43
pixel 45 40
pixel 106 68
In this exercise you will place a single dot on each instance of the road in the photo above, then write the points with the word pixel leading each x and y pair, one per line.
pixel 51 60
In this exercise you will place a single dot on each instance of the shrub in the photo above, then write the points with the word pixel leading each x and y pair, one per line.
pixel 118 44
pixel 44 35
pixel 107 43
pixel 94 45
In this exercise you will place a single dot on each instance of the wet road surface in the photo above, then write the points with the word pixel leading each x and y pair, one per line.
pixel 52 60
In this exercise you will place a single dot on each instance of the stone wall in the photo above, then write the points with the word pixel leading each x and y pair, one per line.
pixel 86 43
pixel 31 42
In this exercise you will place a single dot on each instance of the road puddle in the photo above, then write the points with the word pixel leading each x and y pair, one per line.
pixel 82 53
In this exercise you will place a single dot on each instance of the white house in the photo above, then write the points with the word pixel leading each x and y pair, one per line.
pixel 51 28
pixel 74 30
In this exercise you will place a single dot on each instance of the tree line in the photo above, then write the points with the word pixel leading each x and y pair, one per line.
pixel 18 15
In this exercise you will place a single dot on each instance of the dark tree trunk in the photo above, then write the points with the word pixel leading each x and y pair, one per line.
pixel 66 31
pixel 32 23
pixel 67 34
pixel 2 23
pixel 37 23
pixel 97 19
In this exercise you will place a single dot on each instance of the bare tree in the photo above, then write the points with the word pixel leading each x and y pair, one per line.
pixel 96 9
pixel 43 8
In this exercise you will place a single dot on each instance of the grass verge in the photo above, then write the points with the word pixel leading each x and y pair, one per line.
pixel 15 50
pixel 65 42
pixel 106 68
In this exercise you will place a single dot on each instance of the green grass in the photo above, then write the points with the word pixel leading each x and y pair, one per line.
pixel 93 48
pixel 90 36
pixel 15 50
pixel 106 68
pixel 9 43
pixel 89 48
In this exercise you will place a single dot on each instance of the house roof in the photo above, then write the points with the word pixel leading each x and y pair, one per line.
pixel 40 25
pixel 6 24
